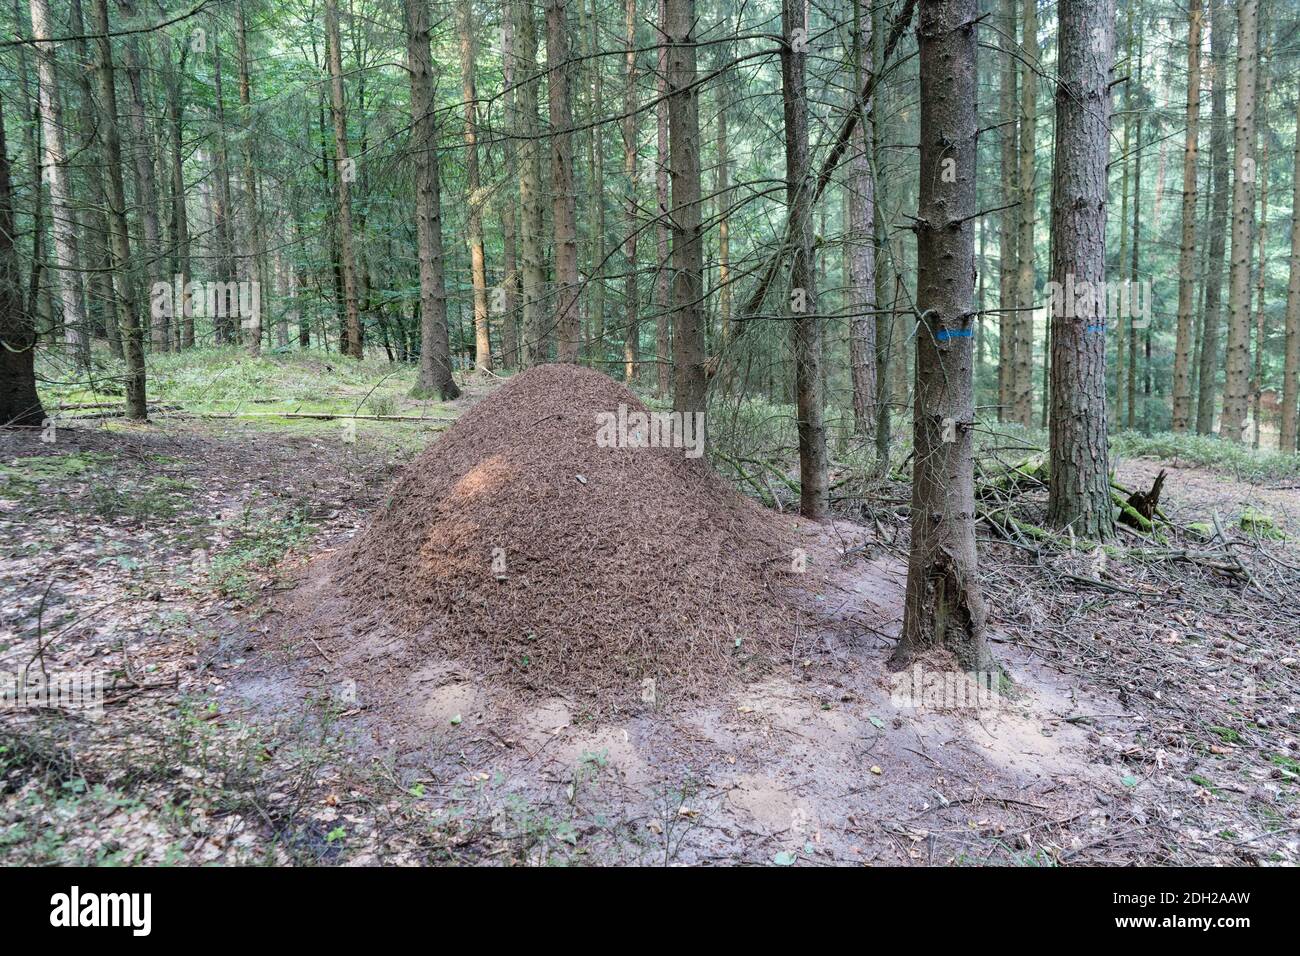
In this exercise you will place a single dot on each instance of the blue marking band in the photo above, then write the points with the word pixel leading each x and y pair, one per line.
pixel 943 335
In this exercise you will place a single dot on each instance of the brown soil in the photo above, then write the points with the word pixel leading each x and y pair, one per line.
pixel 520 548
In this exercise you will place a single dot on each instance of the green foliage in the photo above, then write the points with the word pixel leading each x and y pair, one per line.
pixel 259 545
pixel 1245 464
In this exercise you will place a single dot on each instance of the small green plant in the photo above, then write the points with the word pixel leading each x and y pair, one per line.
pixel 259 546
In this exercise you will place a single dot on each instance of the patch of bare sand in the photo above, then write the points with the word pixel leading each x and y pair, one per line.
pixel 815 758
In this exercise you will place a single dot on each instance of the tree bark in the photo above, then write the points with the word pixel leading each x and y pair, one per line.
pixel 93 221
pixel 631 290
pixel 55 173
pixel 943 605
pixel 1261 267
pixel 689 380
pixel 1187 247
pixel 19 403
pixel 568 331
pixel 119 243
pixel 1219 37
pixel 1291 363
pixel 343 167
pixel 663 311
pixel 146 182
pixel 1008 234
pixel 477 261
pixel 1237 363
pixel 435 376
pixel 596 251
pixel 253 238
pixel 1079 477
pixel 530 180
pixel 1026 278
pixel 509 218
pixel 813 497
pixel 861 240
pixel 182 323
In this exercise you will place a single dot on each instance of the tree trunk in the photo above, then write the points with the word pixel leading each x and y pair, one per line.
pixel 183 323
pixel 253 242
pixel 19 403
pixel 93 222
pixel 1026 278
pixel 1008 234
pixel 596 250
pixel 509 298
pixel 344 168
pixel 1219 36
pixel 1131 404
pixel 1261 267
pixel 861 240
pixel 477 262
pixel 146 182
pixel 943 605
pixel 689 380
pixel 631 291
pixel 1187 247
pixel 530 184
pixel 119 243
pixel 55 173
pixel 1079 482
pixel 663 331
pixel 435 376
pixel 223 207
pixel 1237 363
pixel 1291 367
pixel 803 291
pixel 886 320
pixel 563 198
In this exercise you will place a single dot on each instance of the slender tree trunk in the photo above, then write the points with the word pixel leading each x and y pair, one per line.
pixel 119 243
pixel 1261 268
pixel 254 240
pixel 1026 278
pixel 145 180
pixel 631 291
pixel 886 320
pixel 563 197
pixel 725 295
pixel 1219 35
pixel 1236 385
pixel 1134 246
pixel 509 220
pixel 55 173
pixel 803 292
pixel 943 605
pixel 94 223
pixel 1187 247
pixel 435 376
pixel 1079 482
pixel 596 250
pixel 530 183
pixel 663 311
pixel 223 207
pixel 19 403
pixel 1291 366
pixel 861 240
pixel 1008 233
pixel 689 380
pixel 478 264
pixel 344 168
pixel 183 324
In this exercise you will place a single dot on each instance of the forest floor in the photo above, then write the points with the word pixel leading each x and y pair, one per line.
pixel 1151 717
